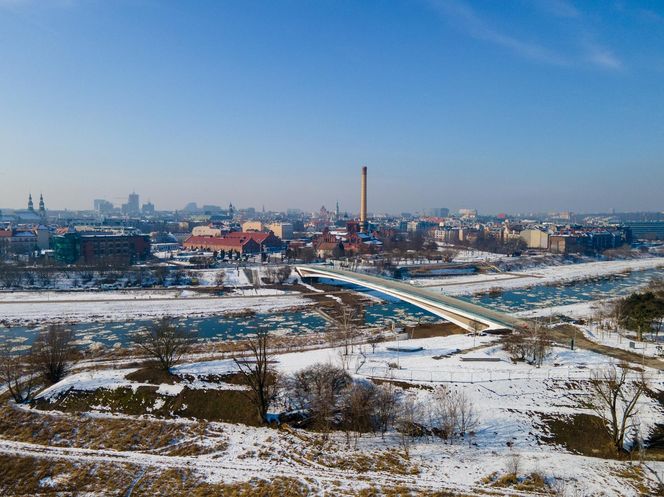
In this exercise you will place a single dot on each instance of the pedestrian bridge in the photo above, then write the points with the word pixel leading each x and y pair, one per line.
pixel 469 316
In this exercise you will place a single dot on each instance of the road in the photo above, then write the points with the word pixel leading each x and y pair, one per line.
pixel 564 333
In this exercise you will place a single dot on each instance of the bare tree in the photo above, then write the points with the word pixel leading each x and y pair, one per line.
pixel 219 279
pixel 513 465
pixel 449 254
pixel 18 372
pixel 165 341
pixel 467 419
pixel 516 346
pixel 540 345
pixel 386 407
pixel 346 331
pixel 442 413
pixel 529 344
pixel 452 413
pixel 259 373
pixel 406 422
pixel 283 273
pixel 615 399
pixel 358 408
pixel 316 389
pixel 53 351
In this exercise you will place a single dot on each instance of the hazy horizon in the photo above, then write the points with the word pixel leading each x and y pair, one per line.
pixel 517 106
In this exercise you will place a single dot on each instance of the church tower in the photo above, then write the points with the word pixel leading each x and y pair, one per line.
pixel 42 207
pixel 31 206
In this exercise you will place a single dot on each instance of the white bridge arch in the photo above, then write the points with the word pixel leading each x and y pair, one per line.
pixel 469 316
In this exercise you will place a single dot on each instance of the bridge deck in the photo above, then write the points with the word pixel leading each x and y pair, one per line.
pixel 429 300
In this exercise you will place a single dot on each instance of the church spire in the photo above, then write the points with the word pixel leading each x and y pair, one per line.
pixel 42 207
pixel 31 206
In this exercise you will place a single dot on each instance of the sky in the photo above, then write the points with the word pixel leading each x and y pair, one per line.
pixel 499 105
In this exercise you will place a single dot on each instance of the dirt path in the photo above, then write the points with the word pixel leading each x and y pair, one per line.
pixel 564 333
pixel 236 470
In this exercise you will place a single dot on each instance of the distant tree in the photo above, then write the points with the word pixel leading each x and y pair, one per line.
pixel 219 279
pixel 516 346
pixel 307 254
pixel 449 254
pixel 540 345
pixel 53 352
pixel 640 310
pixel 160 274
pixel 346 331
pixel 259 374
pixel 164 341
pixel 615 399
pixel 18 372
pixel 530 344
pixel 282 274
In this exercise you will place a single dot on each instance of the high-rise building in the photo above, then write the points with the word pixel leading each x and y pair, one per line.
pixel 132 207
pixel 102 206
pixel 148 209
pixel 439 212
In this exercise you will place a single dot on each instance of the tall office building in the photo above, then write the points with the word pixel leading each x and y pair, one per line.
pixel 132 207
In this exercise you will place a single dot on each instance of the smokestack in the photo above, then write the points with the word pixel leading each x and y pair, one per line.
pixel 363 201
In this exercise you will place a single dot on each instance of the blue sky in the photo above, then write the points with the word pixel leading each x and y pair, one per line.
pixel 501 105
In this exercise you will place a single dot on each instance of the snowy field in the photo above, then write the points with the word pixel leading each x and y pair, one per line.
pixel 114 309
pixel 509 399
pixel 476 283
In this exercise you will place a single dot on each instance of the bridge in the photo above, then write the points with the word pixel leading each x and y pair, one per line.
pixel 468 316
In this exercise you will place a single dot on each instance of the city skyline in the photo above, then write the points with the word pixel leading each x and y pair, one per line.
pixel 532 106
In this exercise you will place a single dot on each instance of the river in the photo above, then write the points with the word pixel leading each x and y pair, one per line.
pixel 390 310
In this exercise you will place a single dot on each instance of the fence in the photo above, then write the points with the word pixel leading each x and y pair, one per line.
pixel 487 376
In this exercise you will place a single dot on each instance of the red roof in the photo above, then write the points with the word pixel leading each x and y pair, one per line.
pixel 216 241
pixel 258 236
pixel 6 233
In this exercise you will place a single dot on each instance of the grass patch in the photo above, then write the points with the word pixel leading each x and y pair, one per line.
pixel 103 433
pixel 583 434
pixel 633 474
pixel 428 330
pixel 401 384
pixel 388 461
pixel 152 374
pixel 231 406
pixel 587 435
pixel 21 475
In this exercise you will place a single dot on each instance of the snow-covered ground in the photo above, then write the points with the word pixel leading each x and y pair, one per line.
pixel 88 381
pixel 476 283
pixel 114 309
pixel 623 340
pixel 63 296
pixel 509 399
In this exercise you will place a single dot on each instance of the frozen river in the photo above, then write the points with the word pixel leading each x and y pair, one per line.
pixel 109 334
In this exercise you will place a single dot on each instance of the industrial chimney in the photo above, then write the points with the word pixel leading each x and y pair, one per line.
pixel 363 202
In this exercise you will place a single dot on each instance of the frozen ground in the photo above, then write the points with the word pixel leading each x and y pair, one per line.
pixel 115 309
pixel 509 399
pixel 476 283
